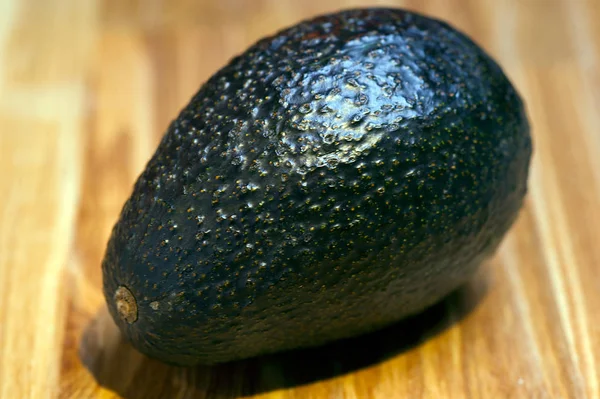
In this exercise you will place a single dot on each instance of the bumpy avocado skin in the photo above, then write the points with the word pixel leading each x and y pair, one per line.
pixel 336 177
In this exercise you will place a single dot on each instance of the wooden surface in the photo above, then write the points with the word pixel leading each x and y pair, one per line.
pixel 87 89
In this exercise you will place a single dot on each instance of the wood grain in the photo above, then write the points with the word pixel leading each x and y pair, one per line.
pixel 87 88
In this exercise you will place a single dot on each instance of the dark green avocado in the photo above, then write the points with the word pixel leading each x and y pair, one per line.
pixel 334 178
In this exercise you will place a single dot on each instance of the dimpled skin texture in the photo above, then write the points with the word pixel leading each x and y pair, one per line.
pixel 336 177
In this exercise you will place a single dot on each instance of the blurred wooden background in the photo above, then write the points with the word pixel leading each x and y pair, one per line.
pixel 87 88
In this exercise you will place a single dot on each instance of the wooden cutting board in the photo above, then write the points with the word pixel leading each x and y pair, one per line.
pixel 87 88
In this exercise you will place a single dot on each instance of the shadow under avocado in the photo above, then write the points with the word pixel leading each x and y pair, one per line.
pixel 119 367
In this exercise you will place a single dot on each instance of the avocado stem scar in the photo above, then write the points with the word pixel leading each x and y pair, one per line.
pixel 126 304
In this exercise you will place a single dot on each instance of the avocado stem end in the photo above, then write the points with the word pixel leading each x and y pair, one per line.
pixel 126 304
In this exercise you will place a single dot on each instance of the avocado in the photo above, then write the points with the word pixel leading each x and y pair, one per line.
pixel 336 177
